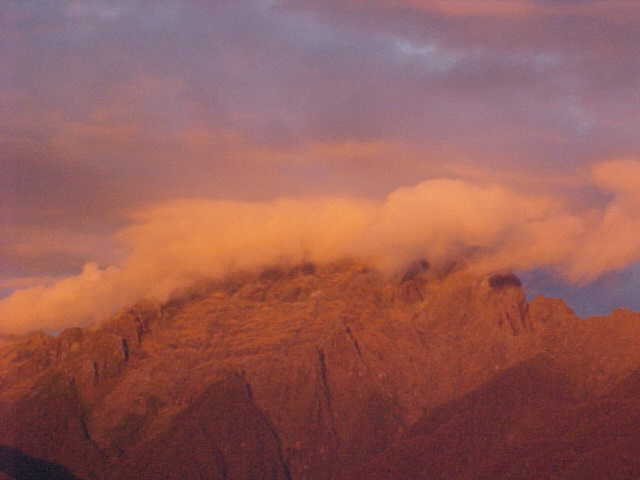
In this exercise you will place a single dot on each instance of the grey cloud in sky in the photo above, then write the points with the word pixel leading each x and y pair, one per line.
pixel 111 106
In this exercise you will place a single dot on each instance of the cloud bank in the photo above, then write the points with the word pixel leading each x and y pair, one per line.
pixel 492 226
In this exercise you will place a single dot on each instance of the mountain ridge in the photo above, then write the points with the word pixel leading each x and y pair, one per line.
pixel 328 365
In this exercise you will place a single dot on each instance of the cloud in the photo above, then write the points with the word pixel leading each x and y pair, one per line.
pixel 494 227
pixel 510 8
pixel 113 105
pixel 621 176
pixel 72 301
pixel 93 10
pixel 25 282
pixel 613 241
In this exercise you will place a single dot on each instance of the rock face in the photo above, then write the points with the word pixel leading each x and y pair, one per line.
pixel 329 372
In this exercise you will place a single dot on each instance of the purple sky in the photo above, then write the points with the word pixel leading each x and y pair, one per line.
pixel 109 106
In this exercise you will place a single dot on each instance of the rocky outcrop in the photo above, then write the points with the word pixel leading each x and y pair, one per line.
pixel 307 372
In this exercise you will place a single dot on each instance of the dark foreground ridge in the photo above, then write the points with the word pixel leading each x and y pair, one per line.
pixel 16 464
pixel 329 372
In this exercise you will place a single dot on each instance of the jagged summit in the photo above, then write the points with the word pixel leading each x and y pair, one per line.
pixel 305 371
pixel 502 280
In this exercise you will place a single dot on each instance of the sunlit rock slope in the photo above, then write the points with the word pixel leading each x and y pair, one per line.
pixel 329 372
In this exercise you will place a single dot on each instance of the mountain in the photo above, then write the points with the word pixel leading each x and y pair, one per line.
pixel 329 372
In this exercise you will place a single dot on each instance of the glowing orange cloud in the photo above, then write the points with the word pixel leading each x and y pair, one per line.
pixel 175 243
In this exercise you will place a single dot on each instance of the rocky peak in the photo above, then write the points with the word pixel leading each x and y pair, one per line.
pixel 411 285
pixel 506 300
pixel 500 281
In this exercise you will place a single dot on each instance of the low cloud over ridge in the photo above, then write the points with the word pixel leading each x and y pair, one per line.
pixel 175 243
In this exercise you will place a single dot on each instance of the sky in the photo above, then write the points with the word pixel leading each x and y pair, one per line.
pixel 132 129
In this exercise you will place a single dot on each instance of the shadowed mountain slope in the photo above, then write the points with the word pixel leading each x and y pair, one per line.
pixel 524 424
